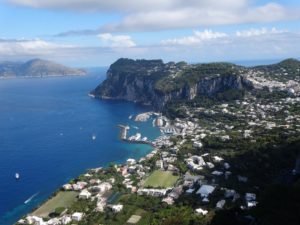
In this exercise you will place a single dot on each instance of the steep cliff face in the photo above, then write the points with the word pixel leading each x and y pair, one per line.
pixel 154 83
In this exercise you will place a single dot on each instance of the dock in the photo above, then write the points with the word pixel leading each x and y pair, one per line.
pixel 123 133
pixel 123 136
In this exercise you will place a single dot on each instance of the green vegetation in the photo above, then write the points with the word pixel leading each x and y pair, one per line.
pixel 195 73
pixel 160 178
pixel 61 200
pixel 285 70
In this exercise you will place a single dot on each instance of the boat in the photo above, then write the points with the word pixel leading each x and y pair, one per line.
pixel 130 117
pixel 17 176
pixel 29 199
pixel 94 137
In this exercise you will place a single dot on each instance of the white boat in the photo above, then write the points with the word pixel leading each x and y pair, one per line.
pixel 29 199
pixel 94 137
pixel 17 176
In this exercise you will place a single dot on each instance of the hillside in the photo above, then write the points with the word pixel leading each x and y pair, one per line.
pixel 155 83
pixel 152 82
pixel 36 68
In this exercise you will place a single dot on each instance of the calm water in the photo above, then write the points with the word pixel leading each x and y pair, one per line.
pixel 46 128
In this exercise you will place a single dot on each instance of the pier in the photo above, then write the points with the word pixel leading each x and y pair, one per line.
pixel 123 136
pixel 123 133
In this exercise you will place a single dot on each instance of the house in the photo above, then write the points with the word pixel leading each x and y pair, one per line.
pixel 197 144
pixel 229 193
pixel 67 187
pixel 116 208
pixel 77 216
pixel 53 221
pixel 95 181
pixel 226 165
pixel 242 179
pixel 66 219
pixel 201 211
pixel 79 185
pixel 220 204
pixel 251 204
pixel 190 190
pixel 105 186
pixel 195 163
pixel 217 159
pixel 210 165
pixel 131 169
pixel 205 190
pixel 176 192
pixel 84 194
pixel 35 220
pixel 169 200
pixel 131 161
pixel 217 173
pixel 250 197
pixel 159 164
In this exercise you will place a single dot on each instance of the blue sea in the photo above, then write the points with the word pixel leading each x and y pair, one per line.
pixel 46 129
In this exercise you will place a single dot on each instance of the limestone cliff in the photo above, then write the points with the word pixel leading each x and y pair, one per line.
pixel 152 82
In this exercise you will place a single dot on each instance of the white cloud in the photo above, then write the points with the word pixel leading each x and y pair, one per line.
pixel 145 15
pixel 29 47
pixel 242 45
pixel 201 45
pixel 124 41
pixel 196 38
pixel 258 32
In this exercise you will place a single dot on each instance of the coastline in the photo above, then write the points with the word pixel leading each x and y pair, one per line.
pixel 122 137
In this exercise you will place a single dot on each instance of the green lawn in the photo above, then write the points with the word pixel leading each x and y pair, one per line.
pixel 62 199
pixel 160 178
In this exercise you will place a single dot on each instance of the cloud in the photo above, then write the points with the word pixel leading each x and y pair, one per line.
pixel 196 38
pixel 242 45
pixel 124 41
pixel 28 47
pixel 258 32
pixel 199 46
pixel 151 15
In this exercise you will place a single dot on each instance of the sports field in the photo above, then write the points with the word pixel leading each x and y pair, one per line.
pixel 62 199
pixel 160 178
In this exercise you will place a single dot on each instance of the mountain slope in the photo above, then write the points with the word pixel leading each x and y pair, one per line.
pixel 36 68
pixel 154 83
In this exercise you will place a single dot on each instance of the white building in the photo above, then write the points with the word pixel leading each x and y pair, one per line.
pixel 201 211
pixel 116 208
pixel 84 194
pixel 205 190
pixel 66 219
pixel 77 216
pixel 220 204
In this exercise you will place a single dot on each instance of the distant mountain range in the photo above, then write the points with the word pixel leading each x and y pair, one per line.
pixel 37 68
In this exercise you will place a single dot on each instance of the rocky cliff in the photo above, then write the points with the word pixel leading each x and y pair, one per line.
pixel 152 82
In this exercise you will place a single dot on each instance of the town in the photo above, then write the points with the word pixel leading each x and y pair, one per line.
pixel 187 166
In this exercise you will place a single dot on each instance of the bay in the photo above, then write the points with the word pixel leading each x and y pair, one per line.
pixel 46 130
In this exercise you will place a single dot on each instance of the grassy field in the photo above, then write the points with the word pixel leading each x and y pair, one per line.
pixel 62 199
pixel 160 178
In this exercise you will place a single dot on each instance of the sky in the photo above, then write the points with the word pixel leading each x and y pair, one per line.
pixel 85 33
